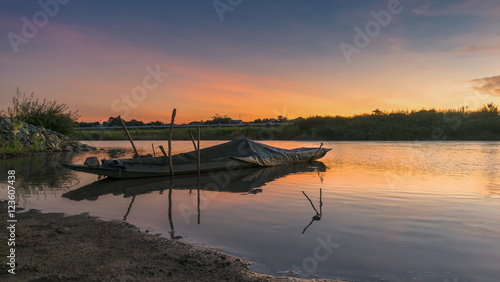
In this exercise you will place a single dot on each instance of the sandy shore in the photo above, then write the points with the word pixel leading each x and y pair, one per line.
pixel 51 246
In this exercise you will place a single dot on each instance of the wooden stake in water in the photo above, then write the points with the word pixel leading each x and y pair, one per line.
pixel 318 214
pixel 320 202
pixel 312 159
pixel 162 150
pixel 192 139
pixel 199 172
pixel 129 137
pixel 170 220
pixel 310 202
pixel 198 151
pixel 154 153
pixel 170 142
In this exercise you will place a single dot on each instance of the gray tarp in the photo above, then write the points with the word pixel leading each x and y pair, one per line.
pixel 245 150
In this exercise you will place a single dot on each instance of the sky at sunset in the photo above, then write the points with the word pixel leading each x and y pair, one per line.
pixel 250 59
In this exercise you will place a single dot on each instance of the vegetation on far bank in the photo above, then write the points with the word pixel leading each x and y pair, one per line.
pixel 23 121
pixel 207 133
pixel 459 124
pixel 435 125
pixel 215 120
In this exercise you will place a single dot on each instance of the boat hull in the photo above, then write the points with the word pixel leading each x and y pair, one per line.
pixel 152 170
pixel 235 154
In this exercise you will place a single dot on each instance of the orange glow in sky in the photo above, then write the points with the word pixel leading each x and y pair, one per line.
pixel 252 64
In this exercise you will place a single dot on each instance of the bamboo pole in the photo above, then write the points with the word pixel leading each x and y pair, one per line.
pixel 199 172
pixel 162 150
pixel 320 202
pixel 171 173
pixel 170 220
pixel 192 139
pixel 170 142
pixel 199 211
pixel 154 153
pixel 310 202
pixel 312 159
pixel 129 137
pixel 198 151
pixel 129 207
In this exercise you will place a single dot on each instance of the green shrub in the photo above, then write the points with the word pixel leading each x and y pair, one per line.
pixel 48 114
pixel 12 144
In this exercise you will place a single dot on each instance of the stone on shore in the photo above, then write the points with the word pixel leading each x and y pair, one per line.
pixel 30 138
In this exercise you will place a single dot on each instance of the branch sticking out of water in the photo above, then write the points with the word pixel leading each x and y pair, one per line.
pixel 318 214
pixel 311 202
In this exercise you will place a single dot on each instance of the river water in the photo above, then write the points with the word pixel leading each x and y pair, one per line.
pixel 392 211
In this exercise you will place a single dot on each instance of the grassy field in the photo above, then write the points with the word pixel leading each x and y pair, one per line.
pixel 435 125
pixel 207 133
pixel 406 125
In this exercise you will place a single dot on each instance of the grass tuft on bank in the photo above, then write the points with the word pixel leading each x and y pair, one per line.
pixel 48 114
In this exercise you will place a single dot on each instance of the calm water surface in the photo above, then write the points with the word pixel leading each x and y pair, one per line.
pixel 397 211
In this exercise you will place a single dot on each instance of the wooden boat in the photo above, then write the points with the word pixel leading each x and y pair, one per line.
pixel 247 181
pixel 235 154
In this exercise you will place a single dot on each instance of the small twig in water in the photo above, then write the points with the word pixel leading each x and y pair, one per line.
pixel 310 202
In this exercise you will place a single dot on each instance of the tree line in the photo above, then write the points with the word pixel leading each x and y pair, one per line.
pixel 424 124
pixel 216 119
pixel 435 125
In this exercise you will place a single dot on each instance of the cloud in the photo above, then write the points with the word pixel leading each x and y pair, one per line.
pixel 424 10
pixel 488 85
pixel 475 49
pixel 483 8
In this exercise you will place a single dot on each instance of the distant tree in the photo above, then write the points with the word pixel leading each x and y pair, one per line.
pixel 113 121
pixel 259 120
pixel 282 119
pixel 155 123
pixel 88 124
pixel 134 122
pixel 490 108
pixel 216 119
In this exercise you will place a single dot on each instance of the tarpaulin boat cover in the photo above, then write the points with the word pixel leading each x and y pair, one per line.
pixel 245 150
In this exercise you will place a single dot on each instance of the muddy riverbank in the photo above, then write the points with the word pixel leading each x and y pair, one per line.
pixel 56 247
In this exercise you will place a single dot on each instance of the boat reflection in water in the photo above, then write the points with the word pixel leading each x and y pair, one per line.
pixel 244 181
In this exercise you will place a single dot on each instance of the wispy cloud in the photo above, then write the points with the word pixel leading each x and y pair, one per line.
pixel 423 10
pixel 488 85
pixel 476 48
pixel 484 8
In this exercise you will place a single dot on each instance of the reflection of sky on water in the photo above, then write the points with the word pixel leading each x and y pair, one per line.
pixel 422 211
